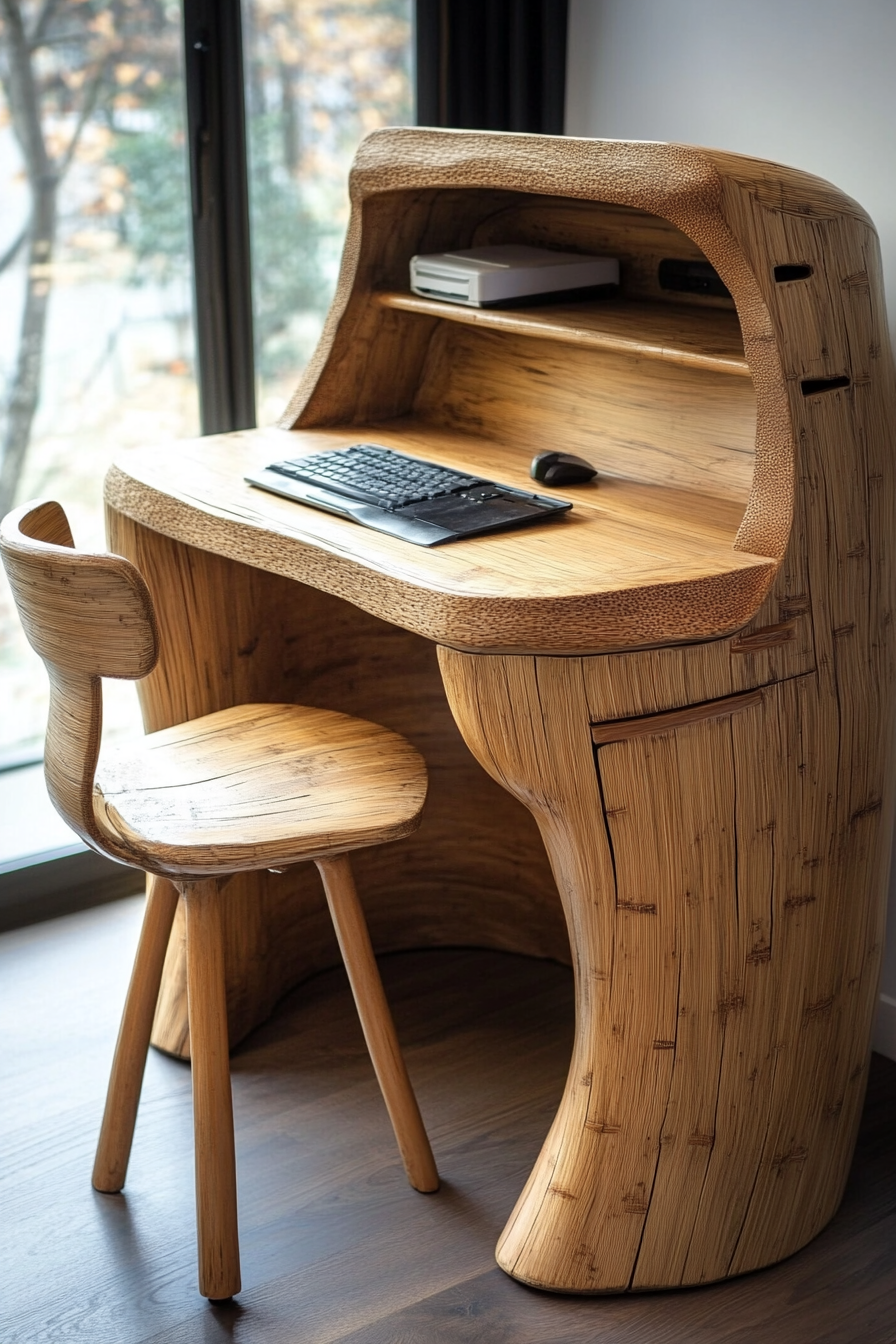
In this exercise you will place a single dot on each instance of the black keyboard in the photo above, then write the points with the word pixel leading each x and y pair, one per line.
pixel 380 476
pixel 421 502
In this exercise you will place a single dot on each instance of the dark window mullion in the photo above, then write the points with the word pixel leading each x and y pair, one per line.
pixel 216 131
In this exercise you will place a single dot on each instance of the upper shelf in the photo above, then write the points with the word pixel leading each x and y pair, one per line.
pixel 700 338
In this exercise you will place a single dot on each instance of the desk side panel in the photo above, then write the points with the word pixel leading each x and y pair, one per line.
pixel 724 902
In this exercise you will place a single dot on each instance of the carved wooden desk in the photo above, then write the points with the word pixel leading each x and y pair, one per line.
pixel 682 692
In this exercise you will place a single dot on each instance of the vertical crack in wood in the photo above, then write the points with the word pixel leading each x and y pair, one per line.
pixel 606 820
pixel 721 915
pixel 662 1126
pixel 735 883
pixel 773 707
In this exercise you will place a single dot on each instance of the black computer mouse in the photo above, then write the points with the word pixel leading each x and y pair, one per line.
pixel 561 469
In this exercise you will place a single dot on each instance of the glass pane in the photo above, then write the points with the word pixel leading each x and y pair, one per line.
pixel 320 75
pixel 96 342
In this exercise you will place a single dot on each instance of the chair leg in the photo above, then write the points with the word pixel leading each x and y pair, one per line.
pixel 216 1218
pixel 126 1080
pixel 376 1021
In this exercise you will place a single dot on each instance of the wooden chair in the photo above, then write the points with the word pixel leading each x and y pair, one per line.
pixel 253 787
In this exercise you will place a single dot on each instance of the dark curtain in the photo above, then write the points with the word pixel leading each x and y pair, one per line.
pixel 492 65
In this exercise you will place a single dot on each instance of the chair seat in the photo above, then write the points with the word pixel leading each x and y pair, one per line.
pixel 257 786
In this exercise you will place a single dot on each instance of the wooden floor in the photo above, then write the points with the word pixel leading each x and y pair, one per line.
pixel 336 1246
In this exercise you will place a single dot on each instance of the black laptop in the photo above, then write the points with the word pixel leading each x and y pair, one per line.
pixel 418 501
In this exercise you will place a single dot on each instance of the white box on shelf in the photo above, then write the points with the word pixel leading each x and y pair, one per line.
pixel 480 276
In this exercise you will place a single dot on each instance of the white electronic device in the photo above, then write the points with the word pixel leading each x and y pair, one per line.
pixel 480 276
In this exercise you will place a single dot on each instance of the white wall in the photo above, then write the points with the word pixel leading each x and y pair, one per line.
pixel 810 83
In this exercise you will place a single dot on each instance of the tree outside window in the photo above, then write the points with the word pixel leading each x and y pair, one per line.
pixel 96 337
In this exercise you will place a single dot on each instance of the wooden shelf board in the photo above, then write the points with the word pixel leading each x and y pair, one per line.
pixel 700 338
pixel 632 564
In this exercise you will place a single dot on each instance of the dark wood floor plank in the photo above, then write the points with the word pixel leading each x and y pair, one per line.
pixel 337 1249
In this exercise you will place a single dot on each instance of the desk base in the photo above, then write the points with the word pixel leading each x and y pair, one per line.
pixel 723 905
pixel 721 875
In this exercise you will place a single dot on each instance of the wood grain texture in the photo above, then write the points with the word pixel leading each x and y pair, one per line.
pixel 640 240
pixel 722 873
pixel 113 1149
pixel 214 1152
pixel 258 786
pixel 725 979
pixel 335 1246
pixel 376 1022
pixel 619 730
pixel 654 420
pixel 633 563
pixel 86 616
pixel 90 615
pixel 837 572
pixel 651 331
pixel 231 633
pixel 251 786
pixel 398 175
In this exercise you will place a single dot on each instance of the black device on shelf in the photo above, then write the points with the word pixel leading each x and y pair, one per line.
pixel 421 502
pixel 691 277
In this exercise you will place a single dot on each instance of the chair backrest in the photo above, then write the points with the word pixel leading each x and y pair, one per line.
pixel 88 616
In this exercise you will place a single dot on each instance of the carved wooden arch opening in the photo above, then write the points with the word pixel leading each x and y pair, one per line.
pixel 587 196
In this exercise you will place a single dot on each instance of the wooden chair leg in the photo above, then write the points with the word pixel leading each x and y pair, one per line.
pixel 376 1021
pixel 126 1079
pixel 216 1217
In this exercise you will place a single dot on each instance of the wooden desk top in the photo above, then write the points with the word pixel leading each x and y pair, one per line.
pixel 632 565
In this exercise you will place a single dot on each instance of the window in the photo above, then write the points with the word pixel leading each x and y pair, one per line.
pixel 96 307
pixel 96 335
pixel 319 76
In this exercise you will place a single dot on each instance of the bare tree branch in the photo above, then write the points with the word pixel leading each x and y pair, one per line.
pixel 91 93
pixel 38 33
pixel 9 256
pixel 22 94
pixel 60 38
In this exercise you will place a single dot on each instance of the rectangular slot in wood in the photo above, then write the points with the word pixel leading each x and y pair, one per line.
pixel 791 271
pixel 810 387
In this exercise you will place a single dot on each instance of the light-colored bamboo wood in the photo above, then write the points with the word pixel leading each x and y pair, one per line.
pixel 491 1035
pixel 632 563
pixel 213 1145
pixel 619 730
pixel 113 1149
pixel 722 1024
pixel 249 787
pixel 637 237
pixel 663 423
pixel 258 786
pixel 721 863
pixel 647 330
pixel 231 634
pixel 87 617
pixel 376 1021
pixel 415 190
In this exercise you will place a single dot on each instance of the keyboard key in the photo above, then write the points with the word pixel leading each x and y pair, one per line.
pixel 376 475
